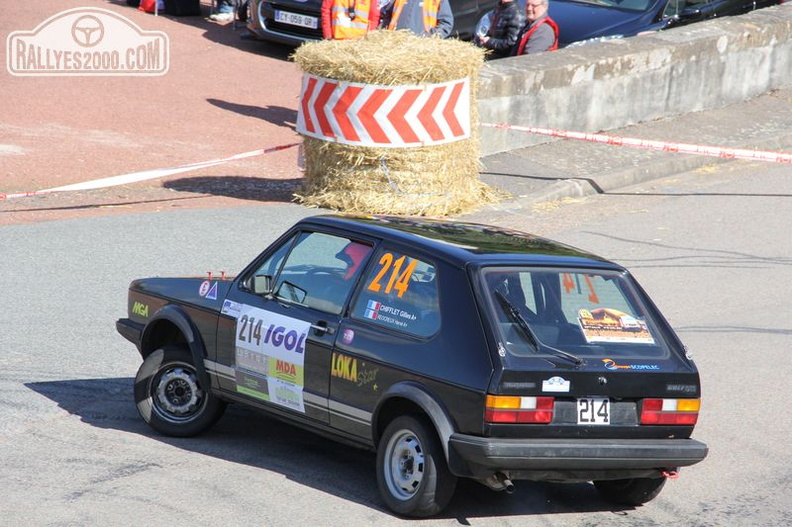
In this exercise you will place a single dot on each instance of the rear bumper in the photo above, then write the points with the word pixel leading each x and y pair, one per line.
pixel 130 330
pixel 570 459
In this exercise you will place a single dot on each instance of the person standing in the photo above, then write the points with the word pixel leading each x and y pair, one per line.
pixel 224 11
pixel 540 32
pixel 343 19
pixel 505 26
pixel 422 17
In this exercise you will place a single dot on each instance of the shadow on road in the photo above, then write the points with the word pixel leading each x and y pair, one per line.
pixel 99 205
pixel 240 187
pixel 253 439
pixel 277 115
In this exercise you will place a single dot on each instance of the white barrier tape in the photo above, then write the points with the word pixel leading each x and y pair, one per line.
pixel 136 177
pixel 682 148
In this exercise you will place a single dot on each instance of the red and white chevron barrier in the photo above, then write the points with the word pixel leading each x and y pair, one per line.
pixel 682 148
pixel 384 116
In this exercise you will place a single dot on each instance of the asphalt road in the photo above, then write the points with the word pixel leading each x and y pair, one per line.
pixel 712 248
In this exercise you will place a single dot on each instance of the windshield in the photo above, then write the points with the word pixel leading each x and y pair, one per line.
pixel 570 314
pixel 626 5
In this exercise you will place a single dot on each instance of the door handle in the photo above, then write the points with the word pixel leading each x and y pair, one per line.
pixel 321 327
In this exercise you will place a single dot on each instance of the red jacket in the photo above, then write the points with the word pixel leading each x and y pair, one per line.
pixel 527 35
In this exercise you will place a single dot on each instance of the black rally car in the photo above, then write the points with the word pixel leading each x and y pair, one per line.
pixel 452 349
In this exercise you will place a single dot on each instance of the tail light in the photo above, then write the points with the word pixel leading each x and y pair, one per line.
pixel 511 409
pixel 670 411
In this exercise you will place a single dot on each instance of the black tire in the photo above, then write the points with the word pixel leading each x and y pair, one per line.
pixel 169 396
pixel 635 491
pixel 412 473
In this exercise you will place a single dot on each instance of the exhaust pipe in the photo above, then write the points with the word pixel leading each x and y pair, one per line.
pixel 507 484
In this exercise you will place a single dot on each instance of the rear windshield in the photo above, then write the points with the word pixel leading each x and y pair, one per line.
pixel 588 314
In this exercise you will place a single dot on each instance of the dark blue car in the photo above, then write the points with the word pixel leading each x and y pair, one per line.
pixel 584 20
pixel 453 350
pixel 580 21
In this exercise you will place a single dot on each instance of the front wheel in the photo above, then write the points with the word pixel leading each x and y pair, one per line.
pixel 636 491
pixel 412 472
pixel 169 396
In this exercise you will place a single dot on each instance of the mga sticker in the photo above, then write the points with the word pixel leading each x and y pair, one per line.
pixel 556 384
pixel 140 309
pixel 205 285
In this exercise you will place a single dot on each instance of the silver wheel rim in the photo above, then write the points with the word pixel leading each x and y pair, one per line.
pixel 176 394
pixel 404 465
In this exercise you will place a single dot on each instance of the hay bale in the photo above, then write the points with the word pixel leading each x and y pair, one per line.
pixel 434 180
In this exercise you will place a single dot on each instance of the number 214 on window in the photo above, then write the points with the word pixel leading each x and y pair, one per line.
pixel 391 270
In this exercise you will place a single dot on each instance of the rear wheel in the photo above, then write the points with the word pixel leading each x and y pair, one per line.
pixel 636 491
pixel 412 472
pixel 171 398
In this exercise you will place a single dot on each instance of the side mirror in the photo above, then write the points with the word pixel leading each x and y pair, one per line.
pixel 262 284
pixel 690 13
pixel 292 293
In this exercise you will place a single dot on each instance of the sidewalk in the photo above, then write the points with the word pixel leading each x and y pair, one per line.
pixel 564 168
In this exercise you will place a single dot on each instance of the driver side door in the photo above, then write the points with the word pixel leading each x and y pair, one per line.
pixel 279 324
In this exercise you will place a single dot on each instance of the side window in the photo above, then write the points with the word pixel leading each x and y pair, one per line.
pixel 272 264
pixel 400 292
pixel 673 8
pixel 320 271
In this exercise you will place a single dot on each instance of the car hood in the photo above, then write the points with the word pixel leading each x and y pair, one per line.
pixel 580 21
pixel 208 294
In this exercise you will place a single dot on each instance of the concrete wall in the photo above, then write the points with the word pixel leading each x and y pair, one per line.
pixel 621 82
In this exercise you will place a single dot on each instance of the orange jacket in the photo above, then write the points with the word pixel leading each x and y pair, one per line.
pixel 342 19
pixel 430 10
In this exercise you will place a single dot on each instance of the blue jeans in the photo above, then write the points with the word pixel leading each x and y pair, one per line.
pixel 225 6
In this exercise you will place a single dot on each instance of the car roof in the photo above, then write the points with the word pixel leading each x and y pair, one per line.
pixel 462 243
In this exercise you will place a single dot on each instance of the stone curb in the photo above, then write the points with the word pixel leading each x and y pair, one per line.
pixel 607 182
